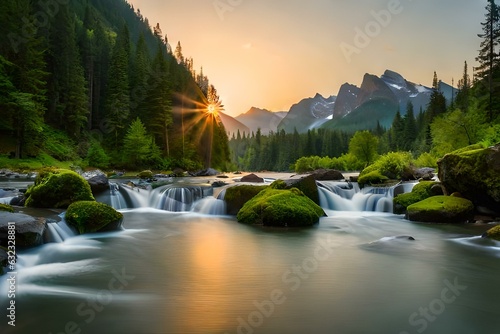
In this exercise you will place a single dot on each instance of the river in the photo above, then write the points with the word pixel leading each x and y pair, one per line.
pixel 187 273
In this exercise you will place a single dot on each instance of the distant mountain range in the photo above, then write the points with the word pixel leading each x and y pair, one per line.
pixel 352 109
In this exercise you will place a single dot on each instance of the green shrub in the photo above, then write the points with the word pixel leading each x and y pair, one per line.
pixel 393 165
pixel 426 160
pixel 90 216
pixel 96 156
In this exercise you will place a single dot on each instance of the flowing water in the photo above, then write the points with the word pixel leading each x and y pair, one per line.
pixel 195 272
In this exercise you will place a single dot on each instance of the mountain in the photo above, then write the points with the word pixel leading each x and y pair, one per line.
pixel 232 125
pixel 308 114
pixel 266 120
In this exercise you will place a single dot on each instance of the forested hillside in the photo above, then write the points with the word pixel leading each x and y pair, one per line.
pixel 91 81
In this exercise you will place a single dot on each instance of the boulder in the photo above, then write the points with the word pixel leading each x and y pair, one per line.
pixel 237 196
pixel 305 184
pixel 474 172
pixel 58 189
pixel 280 207
pixel 420 191
pixel 425 173
pixel 29 230
pixel 493 233
pixel 97 180
pixel 207 172
pixel 90 216
pixel 252 178
pixel 327 175
pixel 441 209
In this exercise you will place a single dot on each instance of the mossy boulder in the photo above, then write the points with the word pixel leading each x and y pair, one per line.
pixel 6 207
pixel 90 216
pixel 371 177
pixel 145 174
pixel 58 189
pixel 441 209
pixel 280 207
pixel 237 196
pixel 474 172
pixel 493 233
pixel 420 191
pixel 305 184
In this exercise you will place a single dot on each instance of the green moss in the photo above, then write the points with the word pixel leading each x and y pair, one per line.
pixel 494 233
pixel 237 196
pixel 6 207
pixel 441 209
pixel 372 177
pixel 472 171
pixel 89 216
pixel 58 189
pixel 145 174
pixel 420 191
pixel 278 207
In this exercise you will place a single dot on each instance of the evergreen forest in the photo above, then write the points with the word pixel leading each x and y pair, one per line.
pixel 92 82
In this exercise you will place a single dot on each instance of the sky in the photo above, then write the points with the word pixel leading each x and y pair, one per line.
pixel 271 54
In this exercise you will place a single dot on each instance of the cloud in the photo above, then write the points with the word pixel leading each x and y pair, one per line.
pixel 247 46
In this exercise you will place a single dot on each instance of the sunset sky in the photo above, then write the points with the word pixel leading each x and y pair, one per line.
pixel 273 53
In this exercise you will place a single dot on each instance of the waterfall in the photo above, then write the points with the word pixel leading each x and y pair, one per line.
pixel 58 231
pixel 178 198
pixel 344 196
pixel 210 206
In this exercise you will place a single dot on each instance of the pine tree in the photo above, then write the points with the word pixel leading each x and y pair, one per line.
pixel 23 78
pixel 489 57
pixel 437 101
pixel 410 128
pixel 397 132
pixel 157 107
pixel 463 96
pixel 118 94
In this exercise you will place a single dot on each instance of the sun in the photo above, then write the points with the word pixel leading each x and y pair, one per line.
pixel 212 109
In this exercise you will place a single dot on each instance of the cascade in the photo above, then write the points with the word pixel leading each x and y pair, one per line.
pixel 58 231
pixel 347 196
pixel 178 198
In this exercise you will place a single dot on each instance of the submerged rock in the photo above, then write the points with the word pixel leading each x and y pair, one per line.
pixel 90 216
pixel 441 209
pixel 29 230
pixel 280 207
